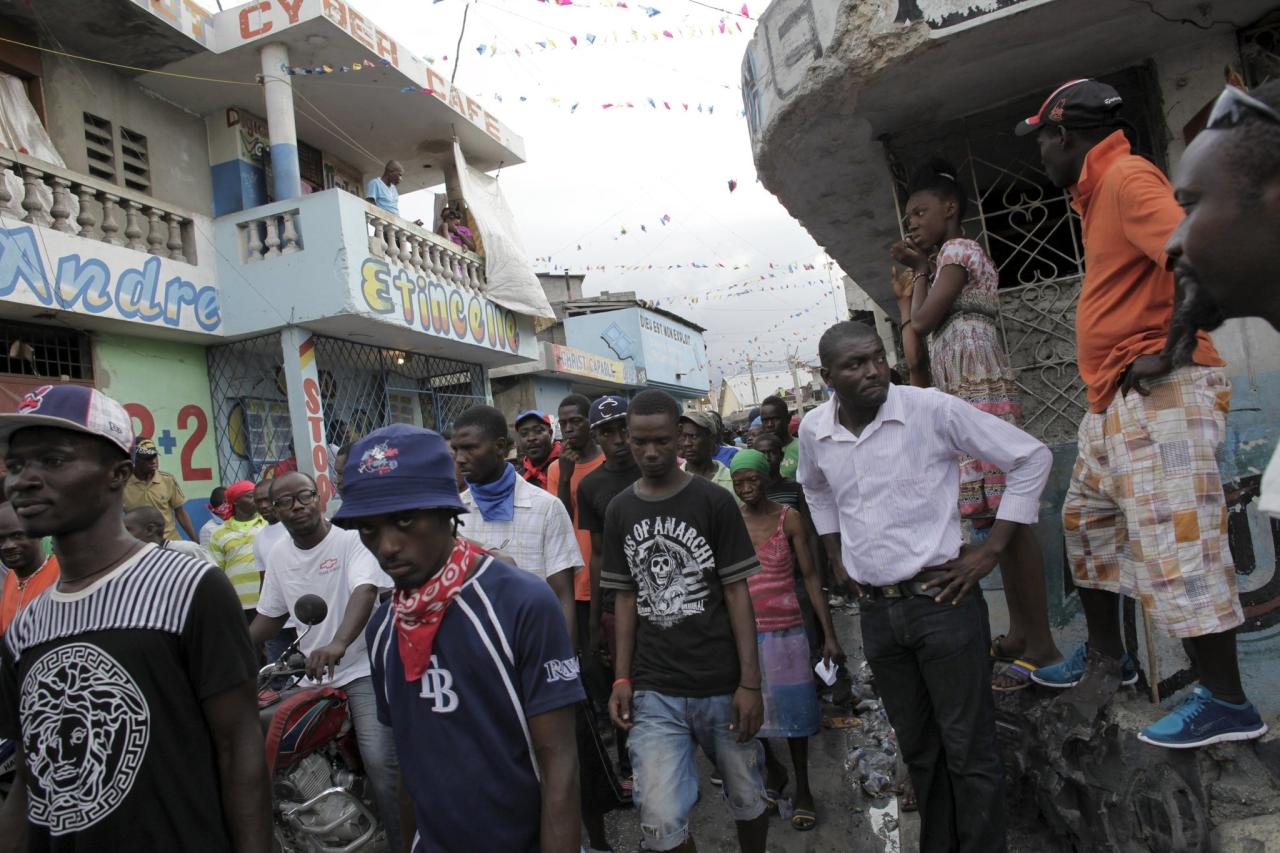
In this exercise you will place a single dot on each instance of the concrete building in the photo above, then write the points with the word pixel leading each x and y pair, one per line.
pixel 845 99
pixel 613 343
pixel 186 229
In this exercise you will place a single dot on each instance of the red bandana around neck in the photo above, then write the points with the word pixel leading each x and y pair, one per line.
pixel 419 613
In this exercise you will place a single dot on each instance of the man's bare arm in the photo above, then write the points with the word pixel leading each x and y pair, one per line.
pixel 13 813
pixel 556 749
pixel 232 716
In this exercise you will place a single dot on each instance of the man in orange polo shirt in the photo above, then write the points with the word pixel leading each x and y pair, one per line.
pixel 30 571
pixel 1145 514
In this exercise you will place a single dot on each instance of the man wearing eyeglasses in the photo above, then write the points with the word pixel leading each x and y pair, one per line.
pixel 1145 515
pixel 330 562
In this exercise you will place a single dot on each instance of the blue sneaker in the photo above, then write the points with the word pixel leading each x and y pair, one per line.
pixel 1067 673
pixel 1202 719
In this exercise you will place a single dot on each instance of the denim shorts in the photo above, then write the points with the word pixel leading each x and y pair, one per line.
pixel 661 747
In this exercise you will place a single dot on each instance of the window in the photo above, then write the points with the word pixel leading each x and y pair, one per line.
pixel 133 158
pixel 133 167
pixel 99 144
pixel 1029 229
pixel 27 349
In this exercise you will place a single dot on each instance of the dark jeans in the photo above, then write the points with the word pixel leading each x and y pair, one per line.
pixel 931 667
pixel 596 679
pixel 277 644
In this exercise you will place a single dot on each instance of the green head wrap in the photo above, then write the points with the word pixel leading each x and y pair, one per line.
pixel 749 460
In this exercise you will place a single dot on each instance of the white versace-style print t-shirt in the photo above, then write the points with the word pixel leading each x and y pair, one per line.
pixel 104 687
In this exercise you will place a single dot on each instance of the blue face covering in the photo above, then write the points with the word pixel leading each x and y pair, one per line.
pixel 497 500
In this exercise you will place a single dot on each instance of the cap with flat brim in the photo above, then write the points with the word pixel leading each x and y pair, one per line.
pixel 607 409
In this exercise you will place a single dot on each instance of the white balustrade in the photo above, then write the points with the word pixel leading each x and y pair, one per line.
pixel 54 197
pixel 270 236
pixel 422 252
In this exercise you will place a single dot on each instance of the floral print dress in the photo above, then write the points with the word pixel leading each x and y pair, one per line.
pixel 969 362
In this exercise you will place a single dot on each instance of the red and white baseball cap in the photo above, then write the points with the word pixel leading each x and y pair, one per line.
pixel 74 407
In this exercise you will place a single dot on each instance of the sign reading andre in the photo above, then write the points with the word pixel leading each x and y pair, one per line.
pixel 116 282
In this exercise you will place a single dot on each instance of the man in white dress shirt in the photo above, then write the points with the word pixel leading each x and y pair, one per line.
pixel 879 466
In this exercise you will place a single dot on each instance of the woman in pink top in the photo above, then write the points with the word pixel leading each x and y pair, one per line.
pixel 790 698
pixel 451 227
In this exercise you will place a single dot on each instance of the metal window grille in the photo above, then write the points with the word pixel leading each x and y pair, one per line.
pixel 134 160
pixel 1260 50
pixel 99 145
pixel 362 388
pixel 1031 233
pixel 27 349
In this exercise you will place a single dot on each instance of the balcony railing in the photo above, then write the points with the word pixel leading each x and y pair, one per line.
pixel 415 248
pixel 66 201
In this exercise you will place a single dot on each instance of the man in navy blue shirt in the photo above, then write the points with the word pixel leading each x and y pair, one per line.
pixel 473 667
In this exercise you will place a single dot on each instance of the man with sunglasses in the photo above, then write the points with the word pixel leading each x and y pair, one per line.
pixel 330 562
pixel 1145 515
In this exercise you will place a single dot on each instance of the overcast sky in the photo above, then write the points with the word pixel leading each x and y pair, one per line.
pixel 593 172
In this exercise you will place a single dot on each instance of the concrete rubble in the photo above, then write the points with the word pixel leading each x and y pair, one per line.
pixel 1099 788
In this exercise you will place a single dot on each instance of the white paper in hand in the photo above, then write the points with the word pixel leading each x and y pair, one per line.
pixel 827 672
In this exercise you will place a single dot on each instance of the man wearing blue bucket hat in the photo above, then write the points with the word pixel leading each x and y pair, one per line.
pixel 473 668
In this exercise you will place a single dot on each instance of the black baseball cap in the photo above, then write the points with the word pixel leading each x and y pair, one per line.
pixel 608 408
pixel 1075 104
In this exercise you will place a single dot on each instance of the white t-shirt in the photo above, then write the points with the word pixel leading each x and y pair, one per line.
pixel 262 543
pixel 539 539
pixel 332 570
pixel 206 532
pixel 1269 502
pixel 191 549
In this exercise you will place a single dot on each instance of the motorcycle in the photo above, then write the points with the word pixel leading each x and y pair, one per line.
pixel 322 801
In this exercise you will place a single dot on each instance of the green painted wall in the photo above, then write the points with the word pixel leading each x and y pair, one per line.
pixel 165 387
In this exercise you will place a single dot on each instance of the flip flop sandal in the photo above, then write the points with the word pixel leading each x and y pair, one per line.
pixel 772 795
pixel 1019 672
pixel 804 820
pixel 907 797
pixel 997 650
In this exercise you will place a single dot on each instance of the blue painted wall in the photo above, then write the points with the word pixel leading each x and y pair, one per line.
pixel 673 356
pixel 237 185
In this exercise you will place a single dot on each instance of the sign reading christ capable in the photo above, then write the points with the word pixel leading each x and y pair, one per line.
pixel 583 363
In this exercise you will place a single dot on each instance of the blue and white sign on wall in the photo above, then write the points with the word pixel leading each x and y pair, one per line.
pixel 672 354
pixel 47 268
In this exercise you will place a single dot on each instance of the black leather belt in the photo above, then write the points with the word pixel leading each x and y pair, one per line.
pixel 906 589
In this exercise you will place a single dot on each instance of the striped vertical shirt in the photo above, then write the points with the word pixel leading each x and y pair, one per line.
pixel 231 549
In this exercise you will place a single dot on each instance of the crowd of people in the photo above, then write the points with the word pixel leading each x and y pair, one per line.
pixel 487 609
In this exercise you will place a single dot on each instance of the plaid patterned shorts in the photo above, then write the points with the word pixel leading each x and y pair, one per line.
pixel 1145 515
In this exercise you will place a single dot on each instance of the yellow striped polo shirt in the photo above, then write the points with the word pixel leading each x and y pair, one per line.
pixel 232 550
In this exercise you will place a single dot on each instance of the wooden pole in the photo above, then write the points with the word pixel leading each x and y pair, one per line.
pixel 1153 665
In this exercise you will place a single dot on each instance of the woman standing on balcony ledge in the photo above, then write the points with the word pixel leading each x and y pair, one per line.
pixel 952 298
pixel 451 228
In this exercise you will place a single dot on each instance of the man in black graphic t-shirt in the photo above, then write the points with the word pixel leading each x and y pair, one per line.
pixel 129 685
pixel 678 555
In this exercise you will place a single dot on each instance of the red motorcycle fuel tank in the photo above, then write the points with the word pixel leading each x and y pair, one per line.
pixel 304 722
